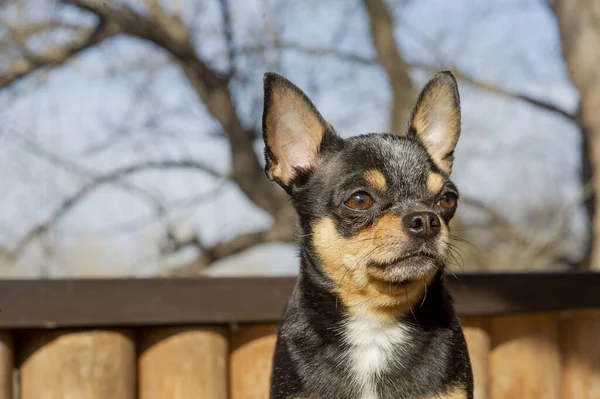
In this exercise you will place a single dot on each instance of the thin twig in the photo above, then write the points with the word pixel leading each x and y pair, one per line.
pixel 111 177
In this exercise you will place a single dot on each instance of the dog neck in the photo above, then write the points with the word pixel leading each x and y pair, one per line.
pixel 318 293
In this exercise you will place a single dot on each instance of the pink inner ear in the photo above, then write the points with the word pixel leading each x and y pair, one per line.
pixel 437 140
pixel 294 130
pixel 296 151
pixel 437 123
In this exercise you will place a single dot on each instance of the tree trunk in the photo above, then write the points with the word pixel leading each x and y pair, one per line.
pixel 579 25
pixel 390 58
pixel 589 200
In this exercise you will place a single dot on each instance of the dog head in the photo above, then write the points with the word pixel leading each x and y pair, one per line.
pixel 374 208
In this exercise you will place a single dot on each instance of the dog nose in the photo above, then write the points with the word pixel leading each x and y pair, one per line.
pixel 422 224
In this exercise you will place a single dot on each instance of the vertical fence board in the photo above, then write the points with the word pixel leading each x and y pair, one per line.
pixel 251 361
pixel 525 359
pixel 87 364
pixel 478 342
pixel 7 363
pixel 183 363
pixel 580 346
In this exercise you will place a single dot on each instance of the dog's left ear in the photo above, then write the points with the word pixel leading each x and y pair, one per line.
pixel 292 130
pixel 435 119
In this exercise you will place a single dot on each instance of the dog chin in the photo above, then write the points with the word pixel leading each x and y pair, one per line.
pixel 407 270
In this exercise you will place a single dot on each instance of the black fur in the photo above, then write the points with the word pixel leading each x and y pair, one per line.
pixel 309 342
pixel 308 361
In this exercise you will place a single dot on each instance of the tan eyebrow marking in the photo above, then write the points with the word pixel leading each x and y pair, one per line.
pixel 435 182
pixel 376 179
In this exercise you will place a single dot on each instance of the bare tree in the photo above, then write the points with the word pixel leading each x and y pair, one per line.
pixel 579 25
pixel 163 26
pixel 168 32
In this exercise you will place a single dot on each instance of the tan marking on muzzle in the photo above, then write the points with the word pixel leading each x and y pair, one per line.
pixel 345 262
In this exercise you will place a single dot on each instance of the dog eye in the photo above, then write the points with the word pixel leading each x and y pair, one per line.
pixel 360 201
pixel 448 200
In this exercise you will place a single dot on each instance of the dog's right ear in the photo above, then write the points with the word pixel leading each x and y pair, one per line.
pixel 292 130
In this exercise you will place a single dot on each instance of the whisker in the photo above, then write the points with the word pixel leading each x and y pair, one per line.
pixel 408 303
pixel 454 253
pixel 456 277
pixel 424 296
pixel 464 241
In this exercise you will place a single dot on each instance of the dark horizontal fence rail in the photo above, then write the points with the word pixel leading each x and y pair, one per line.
pixel 187 301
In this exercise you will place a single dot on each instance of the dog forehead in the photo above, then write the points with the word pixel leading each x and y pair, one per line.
pixel 400 160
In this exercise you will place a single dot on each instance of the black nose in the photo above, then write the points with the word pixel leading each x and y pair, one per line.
pixel 422 224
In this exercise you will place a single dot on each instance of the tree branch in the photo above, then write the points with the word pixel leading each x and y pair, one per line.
pixel 111 177
pixel 80 171
pixel 58 55
pixel 224 249
pixel 228 33
pixel 212 89
pixel 20 33
pixel 490 88
pixel 460 75
pixel 497 219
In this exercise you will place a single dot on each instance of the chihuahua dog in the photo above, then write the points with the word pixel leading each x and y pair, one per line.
pixel 370 317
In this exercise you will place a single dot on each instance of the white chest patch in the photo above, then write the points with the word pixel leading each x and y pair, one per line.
pixel 373 343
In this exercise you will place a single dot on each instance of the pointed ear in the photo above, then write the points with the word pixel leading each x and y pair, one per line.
pixel 435 119
pixel 292 130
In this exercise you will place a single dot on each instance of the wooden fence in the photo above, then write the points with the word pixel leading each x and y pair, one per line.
pixel 529 336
